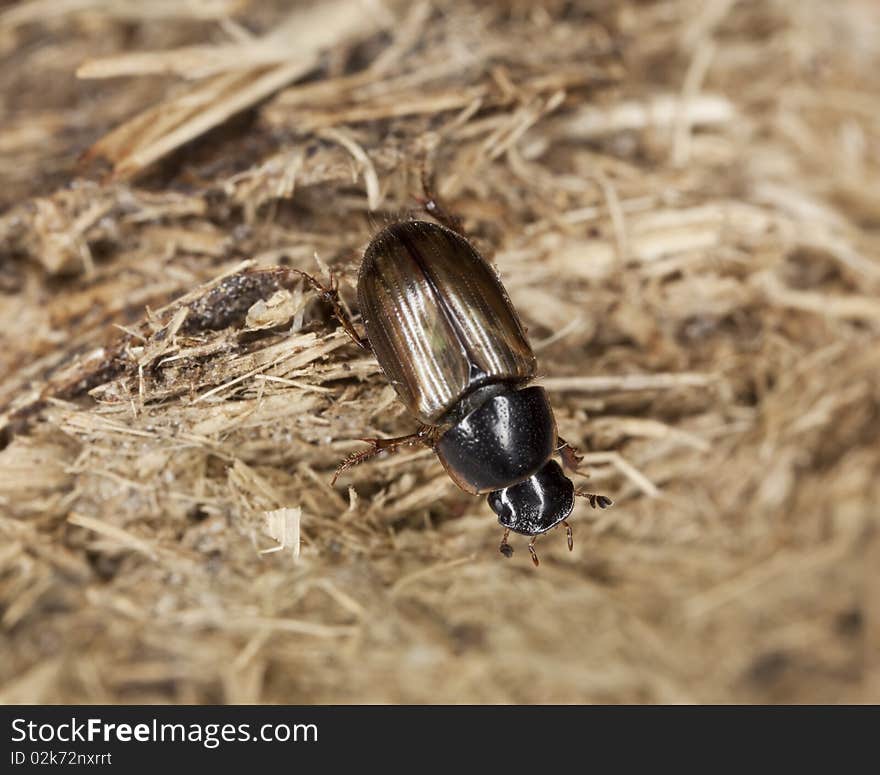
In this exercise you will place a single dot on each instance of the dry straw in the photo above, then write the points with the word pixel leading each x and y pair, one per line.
pixel 682 199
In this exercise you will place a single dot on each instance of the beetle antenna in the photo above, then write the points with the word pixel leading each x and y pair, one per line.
pixel 596 501
pixel 506 549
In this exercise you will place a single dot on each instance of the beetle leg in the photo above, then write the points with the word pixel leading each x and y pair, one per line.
pixel 571 456
pixel 596 501
pixel 569 536
pixel 330 295
pixel 432 205
pixel 506 549
pixel 423 435
pixel 533 552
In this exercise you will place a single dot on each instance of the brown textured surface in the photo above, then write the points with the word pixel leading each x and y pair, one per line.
pixel 682 200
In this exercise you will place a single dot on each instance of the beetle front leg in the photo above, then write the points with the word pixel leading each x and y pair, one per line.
pixel 571 456
pixel 330 295
pixel 532 551
pixel 424 435
pixel 571 460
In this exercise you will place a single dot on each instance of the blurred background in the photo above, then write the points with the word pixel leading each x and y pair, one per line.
pixel 682 199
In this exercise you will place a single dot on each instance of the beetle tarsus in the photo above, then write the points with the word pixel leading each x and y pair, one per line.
pixel 596 501
pixel 571 456
pixel 352 460
pixel 569 535
pixel 423 435
pixel 432 205
pixel 506 549
pixel 532 551
pixel 330 295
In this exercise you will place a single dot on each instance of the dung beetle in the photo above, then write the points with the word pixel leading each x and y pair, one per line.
pixel 449 341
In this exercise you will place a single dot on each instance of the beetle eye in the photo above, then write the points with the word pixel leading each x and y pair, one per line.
pixel 500 503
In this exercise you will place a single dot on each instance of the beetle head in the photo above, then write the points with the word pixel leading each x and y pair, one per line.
pixel 535 505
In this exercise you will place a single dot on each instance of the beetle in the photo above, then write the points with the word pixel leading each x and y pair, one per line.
pixel 451 344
